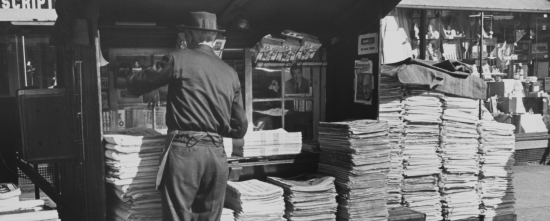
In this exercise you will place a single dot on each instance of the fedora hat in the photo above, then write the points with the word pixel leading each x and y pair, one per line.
pixel 204 21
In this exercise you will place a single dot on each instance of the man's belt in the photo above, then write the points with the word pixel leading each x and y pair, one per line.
pixel 190 138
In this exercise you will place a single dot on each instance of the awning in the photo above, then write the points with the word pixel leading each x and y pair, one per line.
pixel 533 6
pixel 320 18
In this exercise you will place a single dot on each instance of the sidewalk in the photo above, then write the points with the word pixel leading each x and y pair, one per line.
pixel 532 191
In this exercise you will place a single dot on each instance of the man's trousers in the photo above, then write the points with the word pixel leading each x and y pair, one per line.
pixel 194 177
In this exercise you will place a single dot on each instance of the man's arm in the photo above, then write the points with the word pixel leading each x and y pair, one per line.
pixel 238 121
pixel 151 79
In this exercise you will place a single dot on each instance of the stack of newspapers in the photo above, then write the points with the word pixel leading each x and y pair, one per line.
pixel 391 108
pixel 254 200
pixel 421 143
pixel 308 197
pixel 459 150
pixel 497 157
pixel 227 215
pixel 11 208
pixel 132 159
pixel 357 154
pixel 268 143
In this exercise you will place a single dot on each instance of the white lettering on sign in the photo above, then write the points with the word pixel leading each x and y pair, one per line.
pixel 14 5
pixel 5 4
pixel 27 4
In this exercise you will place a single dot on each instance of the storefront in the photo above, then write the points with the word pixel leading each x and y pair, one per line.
pixel 514 47
pixel 493 53
pixel 27 60
pixel 132 35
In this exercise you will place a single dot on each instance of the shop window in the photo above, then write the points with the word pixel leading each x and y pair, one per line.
pixel 284 99
pixel 26 61
pixel 510 41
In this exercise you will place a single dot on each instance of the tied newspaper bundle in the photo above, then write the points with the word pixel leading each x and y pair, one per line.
pixel 254 200
pixel 227 215
pixel 460 141
pixel 497 158
pixel 132 163
pixel 391 108
pixel 308 197
pixel 11 208
pixel 421 141
pixel 266 143
pixel 357 154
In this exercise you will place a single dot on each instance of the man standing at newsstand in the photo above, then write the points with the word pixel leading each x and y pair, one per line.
pixel 204 104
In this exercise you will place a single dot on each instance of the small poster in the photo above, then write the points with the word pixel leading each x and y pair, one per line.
pixel 364 82
pixel 364 66
pixel 368 44
pixel 547 84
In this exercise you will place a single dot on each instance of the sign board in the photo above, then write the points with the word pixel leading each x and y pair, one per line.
pixel 27 10
pixel 367 44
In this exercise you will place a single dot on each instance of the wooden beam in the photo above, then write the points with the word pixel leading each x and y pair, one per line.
pixel 231 11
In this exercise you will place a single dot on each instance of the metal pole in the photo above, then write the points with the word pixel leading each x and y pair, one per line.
pixel 24 60
pixel 481 29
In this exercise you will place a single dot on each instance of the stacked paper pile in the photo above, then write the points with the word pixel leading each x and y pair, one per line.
pixel 13 209
pixel 460 142
pixel 254 200
pixel 357 154
pixel 391 108
pixel 308 197
pixel 227 215
pixel 498 147
pixel 268 143
pixel 421 162
pixel 133 156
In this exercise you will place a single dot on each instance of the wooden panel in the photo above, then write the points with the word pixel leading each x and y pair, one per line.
pixel 248 84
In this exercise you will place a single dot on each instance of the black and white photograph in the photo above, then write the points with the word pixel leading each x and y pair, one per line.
pixel 274 110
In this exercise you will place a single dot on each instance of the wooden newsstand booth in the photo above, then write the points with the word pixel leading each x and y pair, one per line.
pixel 86 32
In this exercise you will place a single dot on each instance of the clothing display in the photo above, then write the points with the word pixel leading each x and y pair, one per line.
pixel 308 197
pixel 458 183
pixel 254 200
pixel 132 159
pixel 391 108
pixel 421 141
pixel 497 157
pixel 357 154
